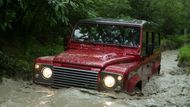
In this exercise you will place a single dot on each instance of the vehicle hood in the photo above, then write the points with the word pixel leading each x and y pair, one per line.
pixel 91 58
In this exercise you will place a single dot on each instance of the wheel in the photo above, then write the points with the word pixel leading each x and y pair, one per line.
pixel 137 92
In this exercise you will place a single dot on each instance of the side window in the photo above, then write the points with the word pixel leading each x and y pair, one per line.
pixel 148 43
pixel 157 40
pixel 144 44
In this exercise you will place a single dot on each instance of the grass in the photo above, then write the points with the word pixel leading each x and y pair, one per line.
pixel 184 55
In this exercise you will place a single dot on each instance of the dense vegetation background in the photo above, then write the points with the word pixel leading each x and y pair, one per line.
pixel 33 28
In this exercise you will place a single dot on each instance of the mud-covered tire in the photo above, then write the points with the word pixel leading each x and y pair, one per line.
pixel 137 92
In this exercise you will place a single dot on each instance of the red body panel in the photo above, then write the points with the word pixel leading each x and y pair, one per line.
pixel 132 83
pixel 92 58
pixel 45 60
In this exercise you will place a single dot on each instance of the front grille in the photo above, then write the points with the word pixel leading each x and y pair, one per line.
pixel 69 77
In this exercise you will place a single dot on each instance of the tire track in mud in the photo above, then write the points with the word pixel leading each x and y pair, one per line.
pixel 170 88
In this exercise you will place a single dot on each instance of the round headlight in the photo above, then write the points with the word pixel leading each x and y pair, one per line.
pixel 109 81
pixel 37 66
pixel 46 72
pixel 119 78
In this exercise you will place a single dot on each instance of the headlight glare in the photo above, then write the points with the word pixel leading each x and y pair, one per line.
pixel 46 72
pixel 37 66
pixel 109 81
pixel 119 78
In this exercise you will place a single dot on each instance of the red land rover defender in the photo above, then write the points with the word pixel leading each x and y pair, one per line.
pixel 105 55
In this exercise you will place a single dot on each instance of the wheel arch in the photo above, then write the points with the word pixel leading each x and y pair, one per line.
pixel 139 85
pixel 134 82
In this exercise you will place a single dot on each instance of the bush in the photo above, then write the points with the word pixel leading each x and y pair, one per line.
pixel 174 42
pixel 184 56
pixel 167 44
pixel 180 40
pixel 13 67
pixel 18 62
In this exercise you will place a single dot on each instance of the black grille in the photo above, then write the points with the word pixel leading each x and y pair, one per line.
pixel 69 77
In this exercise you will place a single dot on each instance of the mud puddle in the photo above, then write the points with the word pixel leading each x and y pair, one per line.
pixel 170 89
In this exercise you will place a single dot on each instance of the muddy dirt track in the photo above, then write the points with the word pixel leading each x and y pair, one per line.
pixel 170 89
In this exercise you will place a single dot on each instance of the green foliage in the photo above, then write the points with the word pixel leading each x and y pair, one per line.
pixel 181 39
pixel 10 67
pixel 35 49
pixel 168 44
pixel 17 61
pixel 174 42
pixel 40 14
pixel 169 14
pixel 186 4
pixel 141 9
pixel 184 56
pixel 111 8
pixel 184 52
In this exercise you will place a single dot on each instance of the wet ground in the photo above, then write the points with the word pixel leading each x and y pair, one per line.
pixel 170 89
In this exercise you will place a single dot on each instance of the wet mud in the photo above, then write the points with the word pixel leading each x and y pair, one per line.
pixel 169 89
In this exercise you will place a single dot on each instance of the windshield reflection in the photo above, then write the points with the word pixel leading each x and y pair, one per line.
pixel 107 34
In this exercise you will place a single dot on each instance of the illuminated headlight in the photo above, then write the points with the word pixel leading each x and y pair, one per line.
pixel 119 78
pixel 37 66
pixel 46 72
pixel 109 81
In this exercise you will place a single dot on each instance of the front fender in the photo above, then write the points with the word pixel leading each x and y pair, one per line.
pixel 132 82
pixel 45 60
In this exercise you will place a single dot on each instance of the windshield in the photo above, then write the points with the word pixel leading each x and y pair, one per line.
pixel 107 34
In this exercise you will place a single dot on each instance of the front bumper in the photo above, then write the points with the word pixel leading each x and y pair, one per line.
pixel 69 77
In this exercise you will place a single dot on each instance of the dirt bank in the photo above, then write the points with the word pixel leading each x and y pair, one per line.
pixel 171 88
